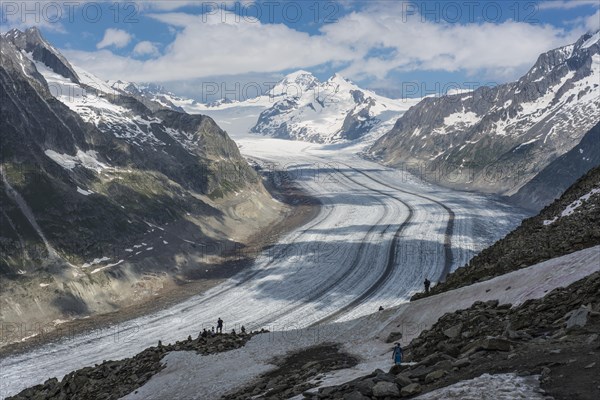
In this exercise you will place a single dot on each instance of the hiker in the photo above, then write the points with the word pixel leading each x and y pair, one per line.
pixel 397 354
pixel 380 308
pixel 427 284
pixel 243 329
pixel 219 325
pixel 212 331
pixel 204 333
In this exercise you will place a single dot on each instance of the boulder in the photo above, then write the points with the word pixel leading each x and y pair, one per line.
pixel 355 396
pixel 402 380
pixel 445 365
pixel 385 389
pixel 393 337
pixel 365 386
pixel 435 375
pixel 463 362
pixel 578 317
pixel 410 390
pixel 453 331
pixel 487 344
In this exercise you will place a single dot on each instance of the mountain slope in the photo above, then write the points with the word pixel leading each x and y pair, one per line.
pixel 561 173
pixel 497 139
pixel 325 112
pixel 569 224
pixel 104 199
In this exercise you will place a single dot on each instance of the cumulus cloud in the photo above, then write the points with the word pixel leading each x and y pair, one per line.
pixel 145 48
pixel 367 44
pixel 114 37
pixel 217 44
pixel 499 50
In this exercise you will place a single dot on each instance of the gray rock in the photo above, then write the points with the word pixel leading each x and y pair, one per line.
pixel 487 344
pixel 402 380
pixel 393 337
pixel 355 396
pixel 385 389
pixel 463 362
pixel 446 365
pixel 454 331
pixel 365 386
pixel 577 318
pixel 434 376
pixel 410 390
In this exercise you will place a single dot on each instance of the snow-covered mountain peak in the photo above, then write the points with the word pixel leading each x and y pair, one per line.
pixel 589 40
pixel 330 111
pixel 32 43
pixel 294 85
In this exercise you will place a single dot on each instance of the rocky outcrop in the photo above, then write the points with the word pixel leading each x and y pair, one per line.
pixel 496 139
pixel 296 373
pixel 555 337
pixel 569 224
pixel 115 379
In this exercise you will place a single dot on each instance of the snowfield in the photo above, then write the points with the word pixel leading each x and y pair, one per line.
pixel 379 234
pixel 189 376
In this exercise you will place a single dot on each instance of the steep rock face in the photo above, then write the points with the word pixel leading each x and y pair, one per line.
pixel 103 196
pixel 497 139
pixel 561 173
pixel 303 108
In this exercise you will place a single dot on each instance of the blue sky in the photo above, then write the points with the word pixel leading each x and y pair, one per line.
pixel 394 46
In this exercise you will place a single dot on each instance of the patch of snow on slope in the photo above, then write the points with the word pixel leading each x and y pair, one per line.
pixel 83 191
pixel 571 208
pixel 96 261
pixel 591 41
pixel 465 118
pixel 491 387
pixel 87 159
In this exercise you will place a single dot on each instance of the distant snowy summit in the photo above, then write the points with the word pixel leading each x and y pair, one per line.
pixel 298 107
pixel 304 108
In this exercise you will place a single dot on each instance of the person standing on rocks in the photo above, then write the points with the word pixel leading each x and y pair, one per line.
pixel 397 354
pixel 219 325
pixel 427 284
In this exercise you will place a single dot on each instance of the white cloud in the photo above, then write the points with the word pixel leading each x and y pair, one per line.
pixel 114 37
pixel 592 23
pixel 222 44
pixel 145 48
pixel 207 46
pixel 497 50
pixel 565 4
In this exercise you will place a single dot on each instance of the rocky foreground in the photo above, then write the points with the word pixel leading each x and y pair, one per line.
pixel 552 340
pixel 555 337
pixel 115 379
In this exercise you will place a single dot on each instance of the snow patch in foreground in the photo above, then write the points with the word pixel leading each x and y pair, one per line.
pixel 496 387
pixel 188 375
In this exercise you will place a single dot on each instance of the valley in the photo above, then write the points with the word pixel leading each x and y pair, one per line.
pixel 313 274
pixel 283 245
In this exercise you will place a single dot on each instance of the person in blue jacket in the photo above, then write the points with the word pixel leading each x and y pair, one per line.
pixel 397 355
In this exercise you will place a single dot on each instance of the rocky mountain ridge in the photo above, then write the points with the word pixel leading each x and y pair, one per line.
pixel 496 139
pixel 106 200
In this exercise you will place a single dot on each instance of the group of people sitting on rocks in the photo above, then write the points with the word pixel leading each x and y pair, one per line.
pixel 206 333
